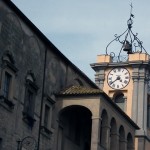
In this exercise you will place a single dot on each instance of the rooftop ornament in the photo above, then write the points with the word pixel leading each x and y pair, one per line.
pixel 131 43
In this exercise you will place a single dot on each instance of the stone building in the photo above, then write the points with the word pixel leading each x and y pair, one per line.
pixel 46 102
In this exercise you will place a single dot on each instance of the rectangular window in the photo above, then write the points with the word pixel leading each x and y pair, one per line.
pixel 29 102
pixel 46 115
pixel 29 106
pixel 28 112
pixel 7 83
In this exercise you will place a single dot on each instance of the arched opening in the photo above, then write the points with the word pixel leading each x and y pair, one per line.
pixel 74 128
pixel 113 135
pixel 119 99
pixel 104 132
pixel 122 141
pixel 77 82
pixel 130 143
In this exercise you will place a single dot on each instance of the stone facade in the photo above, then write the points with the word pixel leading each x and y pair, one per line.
pixel 32 72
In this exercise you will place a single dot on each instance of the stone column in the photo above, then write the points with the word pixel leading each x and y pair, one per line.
pixel 95 135
pixel 105 137
pixel 122 144
pixel 114 143
pixel 130 147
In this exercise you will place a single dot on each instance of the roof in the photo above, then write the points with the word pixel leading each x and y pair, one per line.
pixel 81 90
pixel 47 42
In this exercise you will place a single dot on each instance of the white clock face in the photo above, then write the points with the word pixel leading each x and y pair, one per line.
pixel 118 78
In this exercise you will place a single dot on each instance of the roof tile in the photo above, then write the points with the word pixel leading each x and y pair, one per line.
pixel 80 90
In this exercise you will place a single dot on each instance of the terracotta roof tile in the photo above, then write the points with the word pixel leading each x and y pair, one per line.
pixel 80 90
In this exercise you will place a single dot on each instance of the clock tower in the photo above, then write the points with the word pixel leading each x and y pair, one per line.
pixel 125 79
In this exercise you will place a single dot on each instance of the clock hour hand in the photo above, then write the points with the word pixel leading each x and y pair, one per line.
pixel 118 78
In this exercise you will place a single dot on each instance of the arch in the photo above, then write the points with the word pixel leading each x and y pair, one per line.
pixel 113 135
pixel 119 99
pixel 75 128
pixel 104 129
pixel 122 141
pixel 104 117
pixel 8 56
pixel 11 32
pixel 113 125
pixel 130 143
pixel 77 82
pixel 34 46
pixel 71 107
pixel 30 76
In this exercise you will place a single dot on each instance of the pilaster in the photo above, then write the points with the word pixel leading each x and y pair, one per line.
pixel 99 78
pixel 114 141
pixel 122 144
pixel 141 98
pixel 135 77
pixel 105 137
pixel 95 135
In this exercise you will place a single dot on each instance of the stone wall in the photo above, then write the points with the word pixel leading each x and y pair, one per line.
pixel 27 51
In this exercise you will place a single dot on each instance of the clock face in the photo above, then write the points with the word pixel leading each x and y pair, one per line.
pixel 118 78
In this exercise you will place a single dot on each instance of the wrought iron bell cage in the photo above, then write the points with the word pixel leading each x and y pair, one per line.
pixel 131 43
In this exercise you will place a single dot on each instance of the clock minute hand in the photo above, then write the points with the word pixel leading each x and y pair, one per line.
pixel 118 78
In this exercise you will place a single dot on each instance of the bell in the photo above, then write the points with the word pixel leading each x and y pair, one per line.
pixel 127 47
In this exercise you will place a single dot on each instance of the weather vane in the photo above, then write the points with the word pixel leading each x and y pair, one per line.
pixel 131 43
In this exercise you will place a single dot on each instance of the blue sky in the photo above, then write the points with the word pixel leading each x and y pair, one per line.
pixel 81 29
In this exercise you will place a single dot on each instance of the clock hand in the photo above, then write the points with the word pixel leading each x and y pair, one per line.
pixel 118 78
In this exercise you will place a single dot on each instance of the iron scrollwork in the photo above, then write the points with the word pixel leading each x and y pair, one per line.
pixel 28 143
pixel 131 40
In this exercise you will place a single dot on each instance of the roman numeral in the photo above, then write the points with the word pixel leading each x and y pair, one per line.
pixel 125 81
pixel 113 85
pixel 119 69
pixel 110 78
pixel 114 71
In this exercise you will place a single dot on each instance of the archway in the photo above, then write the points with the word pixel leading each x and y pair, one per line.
pixel 74 128
pixel 130 143
pixel 114 140
pixel 104 130
pixel 122 141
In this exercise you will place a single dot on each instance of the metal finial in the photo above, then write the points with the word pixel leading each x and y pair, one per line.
pixel 130 39
pixel 131 8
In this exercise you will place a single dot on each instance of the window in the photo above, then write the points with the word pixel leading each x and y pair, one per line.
pixel 28 106
pixel 7 84
pixel 29 101
pixel 46 115
pixel 8 74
